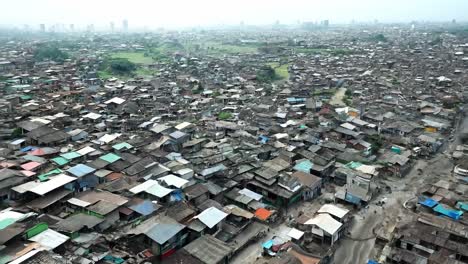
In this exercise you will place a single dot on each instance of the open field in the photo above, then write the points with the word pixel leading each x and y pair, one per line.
pixel 135 57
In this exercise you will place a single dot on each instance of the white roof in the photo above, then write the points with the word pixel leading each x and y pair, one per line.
pixel 326 223
pixel 78 202
pixel 333 210
pixel 211 216
pixel 26 256
pixel 183 125
pixel 93 116
pixel 25 186
pixel 158 190
pixel 173 180
pixel 295 233
pixel 52 184
pixel 115 100
pixel 251 194
pixel 85 150
pixel 8 214
pixel 109 137
pixel 367 169
pixel 18 141
pixel 348 126
pixel 143 186
pixel 49 239
pixel 40 120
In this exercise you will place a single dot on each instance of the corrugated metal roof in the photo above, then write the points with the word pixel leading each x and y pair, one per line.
pixel 49 239
pixel 52 184
pixel 162 232
pixel 81 170
pixel 211 216
pixel 110 157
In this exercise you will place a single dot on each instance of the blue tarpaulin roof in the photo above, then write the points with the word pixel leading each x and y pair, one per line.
pixel 370 261
pixel 462 205
pixel 80 170
pixel 304 166
pixel 352 198
pixel 145 208
pixel 263 139
pixel 454 214
pixel 268 244
pixel 427 202
pixel 28 148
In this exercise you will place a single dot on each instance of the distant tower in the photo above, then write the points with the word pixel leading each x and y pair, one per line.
pixel 42 27
pixel 454 21
pixel 242 23
pixel 326 23
pixel 125 25
pixel 90 28
pixel 72 27
pixel 112 26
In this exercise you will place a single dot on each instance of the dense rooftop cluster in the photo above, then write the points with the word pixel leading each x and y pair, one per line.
pixel 197 147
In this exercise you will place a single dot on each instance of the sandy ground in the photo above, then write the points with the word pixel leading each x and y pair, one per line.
pixel 250 254
pixel 337 99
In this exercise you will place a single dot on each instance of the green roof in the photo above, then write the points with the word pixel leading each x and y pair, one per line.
pixel 304 166
pixel 60 161
pixel 6 222
pixel 71 155
pixel 353 165
pixel 122 145
pixel 110 157
pixel 45 176
pixel 26 97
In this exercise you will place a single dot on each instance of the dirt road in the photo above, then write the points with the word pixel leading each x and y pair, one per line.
pixel 337 99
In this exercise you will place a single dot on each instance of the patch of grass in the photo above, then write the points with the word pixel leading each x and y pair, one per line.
pixel 135 57
pixel 218 48
pixel 281 71
pixel 105 74
pixel 143 71
pixel 224 115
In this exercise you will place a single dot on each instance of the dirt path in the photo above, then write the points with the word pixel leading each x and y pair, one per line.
pixel 337 99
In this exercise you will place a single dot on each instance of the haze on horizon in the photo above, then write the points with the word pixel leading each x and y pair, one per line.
pixel 190 13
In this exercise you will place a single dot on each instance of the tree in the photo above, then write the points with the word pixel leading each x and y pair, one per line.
pixel 50 53
pixel 266 74
pixel 121 66
pixel 376 141
pixel 379 38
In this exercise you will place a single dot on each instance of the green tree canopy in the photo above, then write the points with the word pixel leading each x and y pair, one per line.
pixel 266 74
pixel 50 53
pixel 121 66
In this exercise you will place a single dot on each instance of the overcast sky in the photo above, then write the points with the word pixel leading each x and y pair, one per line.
pixel 182 13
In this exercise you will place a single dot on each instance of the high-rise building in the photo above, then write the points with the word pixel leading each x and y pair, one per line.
pixel 326 23
pixel 72 27
pixel 112 26
pixel 42 27
pixel 125 25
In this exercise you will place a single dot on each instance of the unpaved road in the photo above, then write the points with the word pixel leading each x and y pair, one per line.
pixel 359 249
pixel 337 99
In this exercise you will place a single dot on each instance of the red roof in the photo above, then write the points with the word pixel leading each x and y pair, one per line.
pixel 262 213
pixel 28 173
pixel 30 165
pixel 37 152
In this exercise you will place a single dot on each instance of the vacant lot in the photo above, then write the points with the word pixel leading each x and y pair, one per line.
pixel 135 57
pixel 280 70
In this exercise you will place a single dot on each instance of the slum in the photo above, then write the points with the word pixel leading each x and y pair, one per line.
pixel 202 161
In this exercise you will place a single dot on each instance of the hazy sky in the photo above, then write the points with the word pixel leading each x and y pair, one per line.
pixel 176 13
